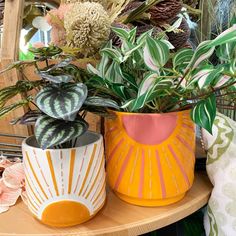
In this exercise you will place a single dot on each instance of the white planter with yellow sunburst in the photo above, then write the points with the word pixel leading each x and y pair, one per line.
pixel 65 187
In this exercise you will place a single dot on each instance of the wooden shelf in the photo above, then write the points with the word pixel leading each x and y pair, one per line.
pixel 116 218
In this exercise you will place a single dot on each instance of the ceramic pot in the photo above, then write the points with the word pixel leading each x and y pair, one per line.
pixel 150 157
pixel 65 187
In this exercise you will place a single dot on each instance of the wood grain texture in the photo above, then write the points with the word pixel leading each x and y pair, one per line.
pixel 12 24
pixel 13 14
pixel 117 218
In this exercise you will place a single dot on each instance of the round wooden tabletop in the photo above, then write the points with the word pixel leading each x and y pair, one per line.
pixel 116 218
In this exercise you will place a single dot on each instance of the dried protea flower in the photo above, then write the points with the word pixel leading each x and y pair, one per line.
pixel 142 28
pixel 87 26
pixel 131 7
pixel 165 11
pixel 102 2
pixel 179 39
pixel 116 41
pixel 187 45
pixel 192 3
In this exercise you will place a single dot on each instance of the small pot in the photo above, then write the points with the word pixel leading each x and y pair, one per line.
pixel 65 187
pixel 150 157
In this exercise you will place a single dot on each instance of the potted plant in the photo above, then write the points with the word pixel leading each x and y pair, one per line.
pixel 63 162
pixel 150 142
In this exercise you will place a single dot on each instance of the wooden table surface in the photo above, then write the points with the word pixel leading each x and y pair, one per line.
pixel 116 218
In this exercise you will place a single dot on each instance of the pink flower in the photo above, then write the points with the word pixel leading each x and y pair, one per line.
pixel 57 13
pixel 62 10
pixel 54 17
pixel 38 45
pixel 12 185
pixel 58 36
pixel 4 163
pixel 8 196
pixel 13 176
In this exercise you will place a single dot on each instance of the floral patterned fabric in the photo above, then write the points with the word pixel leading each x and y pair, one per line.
pixel 220 217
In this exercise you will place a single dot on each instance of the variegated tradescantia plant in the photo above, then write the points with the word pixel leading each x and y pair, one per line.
pixel 145 76
pixel 61 101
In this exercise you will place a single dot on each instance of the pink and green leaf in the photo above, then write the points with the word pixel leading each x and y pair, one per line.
pixel 204 112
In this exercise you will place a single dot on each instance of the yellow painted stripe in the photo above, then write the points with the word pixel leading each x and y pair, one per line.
pixel 72 163
pixel 103 186
pixel 35 176
pixel 32 205
pixel 89 167
pixel 32 209
pixel 95 180
pixel 48 154
pixel 32 190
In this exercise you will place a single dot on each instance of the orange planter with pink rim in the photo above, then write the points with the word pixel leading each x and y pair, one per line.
pixel 150 157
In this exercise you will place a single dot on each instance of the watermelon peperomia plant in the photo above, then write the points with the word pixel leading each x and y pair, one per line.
pixel 61 99
pixel 145 76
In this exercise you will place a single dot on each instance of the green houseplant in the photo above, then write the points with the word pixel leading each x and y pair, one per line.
pixel 63 163
pixel 150 143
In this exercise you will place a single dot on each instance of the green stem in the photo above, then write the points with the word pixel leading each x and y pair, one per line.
pixel 181 80
pixel 226 107
pixel 35 104
pixel 192 10
pixel 36 66
pixel 216 90
pixel 47 64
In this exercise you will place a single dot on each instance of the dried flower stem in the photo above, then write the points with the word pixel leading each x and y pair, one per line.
pixel 140 10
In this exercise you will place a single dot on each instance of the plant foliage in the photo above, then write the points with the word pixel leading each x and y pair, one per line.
pixel 144 75
pixel 61 97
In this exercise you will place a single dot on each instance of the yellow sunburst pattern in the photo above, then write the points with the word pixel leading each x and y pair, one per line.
pixel 65 187
pixel 150 157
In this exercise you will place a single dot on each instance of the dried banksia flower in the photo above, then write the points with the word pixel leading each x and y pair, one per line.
pixel 102 2
pixel 179 39
pixel 165 11
pixel 87 26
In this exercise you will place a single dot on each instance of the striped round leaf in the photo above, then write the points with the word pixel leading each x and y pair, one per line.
pixel 101 102
pixel 50 132
pixel 62 63
pixel 62 101
pixel 55 78
pixel 46 51
pixel 29 118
